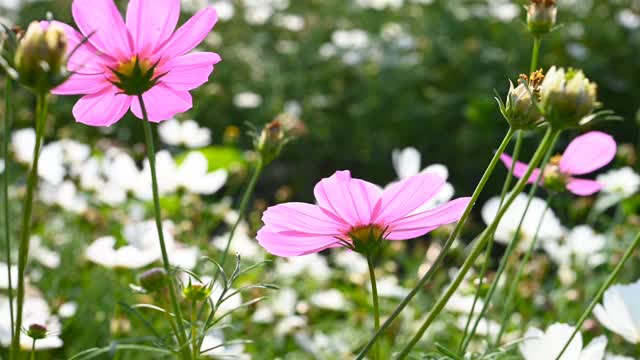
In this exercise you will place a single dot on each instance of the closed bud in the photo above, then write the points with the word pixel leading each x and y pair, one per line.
pixel 270 141
pixel 153 280
pixel 40 58
pixel 37 331
pixel 541 16
pixel 197 292
pixel 568 99
pixel 521 109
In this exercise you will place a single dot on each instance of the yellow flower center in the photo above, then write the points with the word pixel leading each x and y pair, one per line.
pixel 366 233
pixel 128 68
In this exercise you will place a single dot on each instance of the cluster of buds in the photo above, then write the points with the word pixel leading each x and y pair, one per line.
pixel 541 16
pixel 197 292
pixel 41 56
pixel 568 98
pixel 521 109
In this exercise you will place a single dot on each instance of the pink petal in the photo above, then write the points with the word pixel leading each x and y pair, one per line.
pixel 189 35
pixel 82 84
pixel 189 71
pixel 151 22
pixel 83 57
pixel 413 226
pixel 294 243
pixel 101 21
pixel 103 108
pixel 405 196
pixel 583 187
pixel 588 152
pixel 162 103
pixel 304 218
pixel 520 169
pixel 350 200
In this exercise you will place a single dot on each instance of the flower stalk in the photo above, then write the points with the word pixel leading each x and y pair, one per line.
pixel 550 135
pixel 25 235
pixel 436 264
pixel 151 153
pixel 5 192
pixel 376 307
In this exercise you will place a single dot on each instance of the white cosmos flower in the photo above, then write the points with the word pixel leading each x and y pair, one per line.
pixel 247 100
pixel 350 39
pixel 290 22
pixel 407 163
pixel 623 182
pixel 4 275
pixel 68 309
pixel 331 299
pixel 1 166
pixel 463 303
pixel 617 357
pixel 312 265
pixel 551 229
pixel 539 345
pixel 64 195
pixel 142 248
pixel 37 251
pixel 620 311
pixel 388 288
pixel 187 133
pixel 290 324
pixel 36 311
pixel 380 4
pixel 581 245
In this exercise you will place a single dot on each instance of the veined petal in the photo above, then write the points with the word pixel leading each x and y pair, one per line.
pixel 583 187
pixel 101 21
pixel 189 35
pixel 302 217
pixel 416 225
pixel 351 200
pixel 292 243
pixel 520 168
pixel 103 108
pixel 162 103
pixel 79 84
pixel 587 153
pixel 189 71
pixel 84 58
pixel 151 23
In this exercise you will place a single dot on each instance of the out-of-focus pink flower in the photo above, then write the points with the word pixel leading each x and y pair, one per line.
pixel 146 40
pixel 348 207
pixel 585 154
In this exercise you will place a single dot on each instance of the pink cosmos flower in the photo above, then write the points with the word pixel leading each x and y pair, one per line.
pixel 147 40
pixel 585 154
pixel 349 207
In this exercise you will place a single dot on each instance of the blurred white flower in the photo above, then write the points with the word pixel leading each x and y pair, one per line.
pixel 629 19
pixel 380 4
pixel 463 303
pixel 323 346
pixel 36 311
pixel 1 166
pixel 623 182
pixel 581 246
pixel 64 195
pixel 407 163
pixel 290 22
pixel 213 345
pixel 539 345
pixel 354 264
pixel 258 12
pixel 142 248
pixel 330 299
pixel 350 39
pixel 388 287
pixel 242 243
pixel 284 302
pixel 620 311
pixel 68 309
pixel 187 133
pixel 247 100
pixel 504 11
pixel 312 265
pixel 40 253
pixel 485 327
pixel 617 357
pixel 290 324
pixel 550 229
pixel 4 275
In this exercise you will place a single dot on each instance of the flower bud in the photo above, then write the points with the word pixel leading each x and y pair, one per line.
pixel 270 141
pixel 37 331
pixel 541 16
pixel 153 280
pixel 197 292
pixel 553 179
pixel 520 109
pixel 40 58
pixel 568 98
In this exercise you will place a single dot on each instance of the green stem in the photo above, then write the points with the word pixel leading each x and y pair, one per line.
pixel 616 271
pixel 535 54
pixel 33 350
pixel 151 153
pixel 505 187
pixel 477 249
pixel 5 192
pixel 194 329
pixel 447 245
pixel 25 235
pixel 376 307
pixel 514 284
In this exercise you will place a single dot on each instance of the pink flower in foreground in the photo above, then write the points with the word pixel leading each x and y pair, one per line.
pixel 351 208
pixel 585 154
pixel 146 42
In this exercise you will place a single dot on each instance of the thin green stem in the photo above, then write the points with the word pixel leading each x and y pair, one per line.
pixel 445 249
pixel 505 187
pixel 376 307
pixel 513 289
pixel 25 235
pixel 616 271
pixel 5 192
pixel 33 350
pixel 194 329
pixel 479 246
pixel 535 54
pixel 151 153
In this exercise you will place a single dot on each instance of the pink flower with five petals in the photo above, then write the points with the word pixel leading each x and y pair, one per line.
pixel 585 154
pixel 347 207
pixel 146 39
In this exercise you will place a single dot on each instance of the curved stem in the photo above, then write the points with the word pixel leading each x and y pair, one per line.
pixel 25 235
pixel 514 284
pixel 479 246
pixel 5 193
pixel 151 153
pixel 505 187
pixel 445 249
pixel 616 271
pixel 376 307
